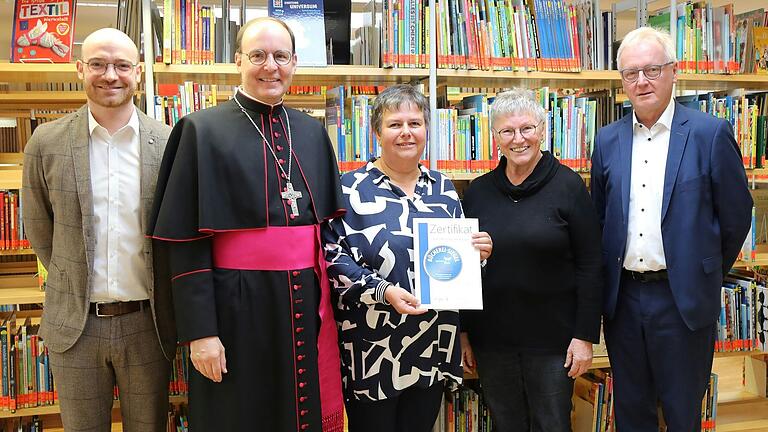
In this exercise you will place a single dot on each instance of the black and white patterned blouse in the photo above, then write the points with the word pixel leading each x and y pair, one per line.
pixel 383 352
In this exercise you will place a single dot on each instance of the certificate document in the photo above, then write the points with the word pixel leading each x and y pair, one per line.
pixel 447 265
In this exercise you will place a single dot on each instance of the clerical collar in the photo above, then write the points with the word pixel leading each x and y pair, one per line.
pixel 254 104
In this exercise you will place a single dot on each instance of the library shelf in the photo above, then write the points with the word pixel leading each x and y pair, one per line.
pixel 469 176
pixel 761 258
pixel 21 295
pixel 226 73
pixel 602 79
pixel 751 416
pixel 26 100
pixel 13 252
pixel 56 409
pixel 38 72
pixel 10 178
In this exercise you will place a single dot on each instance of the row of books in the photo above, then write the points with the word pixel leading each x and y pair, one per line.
pixel 743 321
pixel 746 112
pixel 464 139
pixel 711 39
pixel 189 32
pixel 12 235
pixel 464 410
pixel 179 383
pixel 24 424
pixel 552 35
pixel 593 393
pixel 178 419
pixel 27 380
pixel 173 102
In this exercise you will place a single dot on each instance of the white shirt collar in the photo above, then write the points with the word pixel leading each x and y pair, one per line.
pixel 240 89
pixel 665 119
pixel 133 123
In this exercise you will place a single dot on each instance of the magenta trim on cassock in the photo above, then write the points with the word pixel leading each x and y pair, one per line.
pixel 286 249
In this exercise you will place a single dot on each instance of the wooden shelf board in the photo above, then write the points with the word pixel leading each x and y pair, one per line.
pixel 41 99
pixel 56 409
pixel 601 362
pixel 43 410
pixel 736 396
pixel 493 79
pixel 10 178
pixel 38 72
pixel 12 252
pixel 226 73
pixel 28 295
pixel 748 416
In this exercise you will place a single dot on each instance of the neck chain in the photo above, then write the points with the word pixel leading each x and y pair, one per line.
pixel 289 194
pixel 271 150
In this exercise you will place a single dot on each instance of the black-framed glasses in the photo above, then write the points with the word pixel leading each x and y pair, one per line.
pixel 528 131
pixel 259 57
pixel 651 72
pixel 99 66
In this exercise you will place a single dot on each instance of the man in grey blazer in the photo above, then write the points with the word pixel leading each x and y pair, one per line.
pixel 88 183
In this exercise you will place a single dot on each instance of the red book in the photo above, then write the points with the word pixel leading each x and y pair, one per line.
pixel 43 31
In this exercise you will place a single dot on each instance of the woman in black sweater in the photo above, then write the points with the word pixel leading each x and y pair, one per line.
pixel 542 286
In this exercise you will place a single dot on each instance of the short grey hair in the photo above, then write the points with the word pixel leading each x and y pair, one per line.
pixel 392 98
pixel 641 34
pixel 517 101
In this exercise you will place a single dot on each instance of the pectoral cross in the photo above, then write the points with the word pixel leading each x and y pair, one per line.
pixel 291 196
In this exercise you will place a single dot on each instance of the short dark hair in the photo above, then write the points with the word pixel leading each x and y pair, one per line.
pixel 392 98
pixel 259 20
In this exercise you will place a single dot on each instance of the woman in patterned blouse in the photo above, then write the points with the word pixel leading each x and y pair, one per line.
pixel 395 355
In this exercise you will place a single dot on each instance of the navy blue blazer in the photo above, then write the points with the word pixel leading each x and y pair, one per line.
pixel 706 209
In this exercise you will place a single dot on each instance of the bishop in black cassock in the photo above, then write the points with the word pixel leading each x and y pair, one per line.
pixel 244 265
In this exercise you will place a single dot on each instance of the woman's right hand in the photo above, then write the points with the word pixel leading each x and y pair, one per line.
pixel 207 356
pixel 467 355
pixel 403 301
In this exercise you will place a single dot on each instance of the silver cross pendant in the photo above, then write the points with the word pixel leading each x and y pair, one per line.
pixel 291 196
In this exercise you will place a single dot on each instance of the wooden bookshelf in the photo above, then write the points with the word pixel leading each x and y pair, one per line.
pixel 10 178
pixel 226 73
pixel 56 409
pixel 38 72
pixel 41 100
pixel 600 79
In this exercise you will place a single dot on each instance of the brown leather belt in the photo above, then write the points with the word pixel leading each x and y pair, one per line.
pixel 648 276
pixel 117 308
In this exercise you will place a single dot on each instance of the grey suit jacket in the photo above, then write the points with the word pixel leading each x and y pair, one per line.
pixel 58 220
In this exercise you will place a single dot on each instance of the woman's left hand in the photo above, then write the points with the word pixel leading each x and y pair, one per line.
pixel 482 241
pixel 578 357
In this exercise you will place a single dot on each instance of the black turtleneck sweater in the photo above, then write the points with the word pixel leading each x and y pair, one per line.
pixel 542 285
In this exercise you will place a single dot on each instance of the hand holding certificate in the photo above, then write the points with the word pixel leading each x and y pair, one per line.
pixel 447 264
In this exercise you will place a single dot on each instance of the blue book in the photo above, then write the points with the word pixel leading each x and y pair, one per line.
pixel 306 20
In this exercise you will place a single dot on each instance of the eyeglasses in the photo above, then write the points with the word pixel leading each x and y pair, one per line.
pixel 528 131
pixel 98 66
pixel 651 72
pixel 281 57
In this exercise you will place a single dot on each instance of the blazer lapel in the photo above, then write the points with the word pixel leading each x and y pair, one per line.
pixel 80 144
pixel 678 138
pixel 149 160
pixel 625 159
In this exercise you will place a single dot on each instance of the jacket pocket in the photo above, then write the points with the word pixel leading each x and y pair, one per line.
pixel 712 264
pixel 700 182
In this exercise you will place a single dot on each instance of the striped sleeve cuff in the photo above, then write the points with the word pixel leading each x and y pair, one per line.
pixel 378 295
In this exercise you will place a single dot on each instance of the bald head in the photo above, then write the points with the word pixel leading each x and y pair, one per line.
pixel 263 22
pixel 110 39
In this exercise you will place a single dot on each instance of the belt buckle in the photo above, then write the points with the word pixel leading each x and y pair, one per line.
pixel 98 311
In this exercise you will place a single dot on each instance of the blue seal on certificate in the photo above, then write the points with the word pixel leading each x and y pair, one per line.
pixel 442 263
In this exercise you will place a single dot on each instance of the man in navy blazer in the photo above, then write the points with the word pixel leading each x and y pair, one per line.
pixel 669 187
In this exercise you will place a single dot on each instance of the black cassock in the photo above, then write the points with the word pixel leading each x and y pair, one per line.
pixel 219 180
